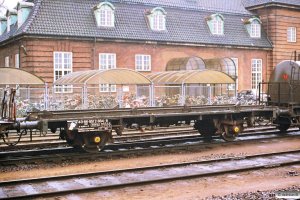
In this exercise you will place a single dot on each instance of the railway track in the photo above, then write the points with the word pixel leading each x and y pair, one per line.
pixel 105 180
pixel 131 148
pixel 52 140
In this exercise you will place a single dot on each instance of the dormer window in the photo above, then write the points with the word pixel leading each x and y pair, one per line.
pixel 24 9
pixel 215 23
pixel 3 24
pixel 253 26
pixel 255 29
pixel 8 24
pixel 11 18
pixel 157 19
pixel 105 14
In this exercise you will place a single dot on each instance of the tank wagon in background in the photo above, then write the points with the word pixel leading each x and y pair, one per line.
pixel 283 92
pixel 92 129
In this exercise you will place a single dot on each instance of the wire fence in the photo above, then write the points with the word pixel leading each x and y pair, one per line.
pixel 92 97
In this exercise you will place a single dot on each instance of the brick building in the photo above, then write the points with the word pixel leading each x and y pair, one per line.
pixel 280 20
pixel 54 37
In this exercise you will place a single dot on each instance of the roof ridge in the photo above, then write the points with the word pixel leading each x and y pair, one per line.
pixel 76 19
pixel 253 3
pixel 32 15
pixel 196 7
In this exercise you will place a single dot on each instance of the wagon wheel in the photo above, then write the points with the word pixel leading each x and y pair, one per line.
pixel 228 137
pixel 94 142
pixel 207 136
pixel 206 128
pixel 284 127
pixel 228 134
pixel 284 124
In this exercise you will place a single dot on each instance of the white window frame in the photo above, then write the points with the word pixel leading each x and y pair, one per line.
pixel 107 88
pixel 143 62
pixel 256 73
pixel 292 34
pixel 159 21
pixel 20 17
pixel 255 29
pixel 217 24
pixel 107 61
pixel 63 64
pixel 6 61
pixel 106 16
pixel 8 23
pixel 17 61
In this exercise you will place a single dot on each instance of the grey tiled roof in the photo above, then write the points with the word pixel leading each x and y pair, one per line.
pixel 184 23
pixel 250 3
pixel 230 6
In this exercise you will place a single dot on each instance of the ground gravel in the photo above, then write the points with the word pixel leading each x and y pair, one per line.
pixel 262 195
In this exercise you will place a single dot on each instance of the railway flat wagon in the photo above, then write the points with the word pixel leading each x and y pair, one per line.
pixel 91 129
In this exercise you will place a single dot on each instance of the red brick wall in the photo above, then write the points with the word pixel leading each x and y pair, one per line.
pixel 39 58
pixel 275 22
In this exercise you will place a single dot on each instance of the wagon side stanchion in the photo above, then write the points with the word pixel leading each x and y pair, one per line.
pixel 8 117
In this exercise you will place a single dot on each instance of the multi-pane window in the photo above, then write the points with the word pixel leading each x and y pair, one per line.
pixel 255 29
pixel 291 34
pixel 142 62
pixel 106 15
pixel 17 62
pixel 107 61
pixel 217 26
pixel 107 88
pixel 159 21
pixel 6 60
pixel 62 66
pixel 256 73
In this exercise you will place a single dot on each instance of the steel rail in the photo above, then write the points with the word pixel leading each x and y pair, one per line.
pixel 144 175
pixel 127 136
pixel 188 129
pixel 116 138
pixel 129 145
pixel 132 148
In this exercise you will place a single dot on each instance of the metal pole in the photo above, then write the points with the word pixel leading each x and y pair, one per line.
pixel 235 89
pixel 183 94
pixel 259 91
pixel 121 96
pixel 82 97
pixel 28 93
pixel 209 94
pixel 46 97
pixel 85 100
pixel 278 93
pixel 152 97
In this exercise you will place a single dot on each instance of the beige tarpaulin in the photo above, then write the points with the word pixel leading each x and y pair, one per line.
pixel 191 77
pixel 13 76
pixel 111 76
pixel 226 65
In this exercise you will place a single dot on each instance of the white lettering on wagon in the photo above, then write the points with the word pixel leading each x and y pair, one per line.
pixel 90 124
